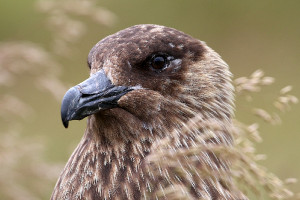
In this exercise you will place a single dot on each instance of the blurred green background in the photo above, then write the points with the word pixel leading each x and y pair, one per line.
pixel 249 35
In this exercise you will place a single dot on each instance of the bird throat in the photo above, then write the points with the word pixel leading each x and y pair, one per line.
pixel 109 159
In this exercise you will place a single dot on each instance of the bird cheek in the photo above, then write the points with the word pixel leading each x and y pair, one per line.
pixel 142 103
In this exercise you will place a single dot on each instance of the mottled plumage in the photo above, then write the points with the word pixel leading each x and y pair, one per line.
pixel 178 103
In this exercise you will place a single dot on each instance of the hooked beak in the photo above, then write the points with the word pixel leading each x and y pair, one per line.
pixel 92 95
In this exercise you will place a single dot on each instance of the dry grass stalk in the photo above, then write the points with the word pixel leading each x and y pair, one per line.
pixel 247 174
pixel 253 83
pixel 255 174
pixel 284 101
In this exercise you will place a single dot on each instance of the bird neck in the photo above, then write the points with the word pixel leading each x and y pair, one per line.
pixel 102 160
pixel 111 157
pixel 119 137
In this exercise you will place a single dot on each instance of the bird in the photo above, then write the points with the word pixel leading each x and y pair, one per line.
pixel 153 91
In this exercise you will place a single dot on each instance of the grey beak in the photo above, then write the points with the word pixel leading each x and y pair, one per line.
pixel 94 94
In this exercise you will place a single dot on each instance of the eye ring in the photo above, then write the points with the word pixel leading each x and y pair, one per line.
pixel 159 62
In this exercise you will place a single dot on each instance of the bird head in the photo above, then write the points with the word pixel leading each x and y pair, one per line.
pixel 149 79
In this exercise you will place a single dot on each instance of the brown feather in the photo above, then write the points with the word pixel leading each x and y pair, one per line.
pixel 129 152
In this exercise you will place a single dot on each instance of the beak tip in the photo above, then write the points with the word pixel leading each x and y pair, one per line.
pixel 66 124
pixel 67 106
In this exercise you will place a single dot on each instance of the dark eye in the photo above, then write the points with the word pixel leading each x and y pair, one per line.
pixel 159 62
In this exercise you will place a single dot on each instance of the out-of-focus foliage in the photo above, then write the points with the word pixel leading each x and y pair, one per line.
pixel 25 173
pixel 65 23
pixel 28 59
